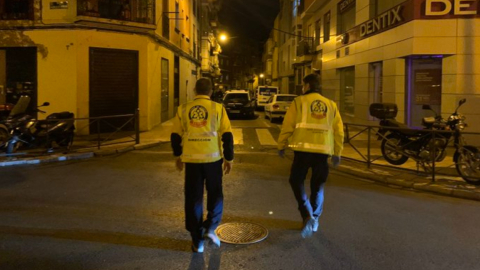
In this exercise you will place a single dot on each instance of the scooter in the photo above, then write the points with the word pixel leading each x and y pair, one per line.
pixel 33 133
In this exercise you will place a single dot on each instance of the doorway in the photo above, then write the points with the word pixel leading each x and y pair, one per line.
pixel 424 86
pixel 164 90
pixel 18 76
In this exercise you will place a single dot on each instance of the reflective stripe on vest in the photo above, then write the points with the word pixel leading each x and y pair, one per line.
pixel 322 147
pixel 202 156
pixel 312 126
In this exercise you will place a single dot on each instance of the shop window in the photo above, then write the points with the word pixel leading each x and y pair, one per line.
pixel 16 10
pixel 347 90
pixel 346 19
pixel 424 86
pixel 375 83
pixel 126 10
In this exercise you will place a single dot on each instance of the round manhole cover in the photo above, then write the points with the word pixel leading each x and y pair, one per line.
pixel 241 233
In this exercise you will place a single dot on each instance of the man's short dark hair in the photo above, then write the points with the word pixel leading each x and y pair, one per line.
pixel 203 86
pixel 314 81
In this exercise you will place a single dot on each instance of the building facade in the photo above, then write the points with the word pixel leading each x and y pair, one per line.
pixel 102 57
pixel 409 53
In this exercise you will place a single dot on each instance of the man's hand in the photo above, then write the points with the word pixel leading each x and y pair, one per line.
pixel 336 161
pixel 281 153
pixel 227 166
pixel 179 164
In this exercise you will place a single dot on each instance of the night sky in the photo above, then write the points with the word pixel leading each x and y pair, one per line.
pixel 249 18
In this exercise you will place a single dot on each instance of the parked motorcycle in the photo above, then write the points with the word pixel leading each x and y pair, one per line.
pixel 399 142
pixel 32 133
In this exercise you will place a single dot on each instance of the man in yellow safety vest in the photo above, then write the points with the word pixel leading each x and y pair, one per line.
pixel 313 129
pixel 199 129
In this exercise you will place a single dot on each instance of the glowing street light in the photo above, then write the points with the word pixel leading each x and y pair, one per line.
pixel 223 37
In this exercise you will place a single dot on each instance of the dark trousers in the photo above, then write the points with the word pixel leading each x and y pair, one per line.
pixel 302 162
pixel 198 175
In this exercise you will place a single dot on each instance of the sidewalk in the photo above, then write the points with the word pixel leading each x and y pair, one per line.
pixel 405 176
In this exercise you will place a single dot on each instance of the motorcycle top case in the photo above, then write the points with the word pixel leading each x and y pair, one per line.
pixel 383 110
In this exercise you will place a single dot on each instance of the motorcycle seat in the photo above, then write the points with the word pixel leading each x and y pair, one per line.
pixel 406 130
pixel 61 115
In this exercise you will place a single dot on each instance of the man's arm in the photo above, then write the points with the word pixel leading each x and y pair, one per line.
pixel 338 132
pixel 288 126
pixel 176 136
pixel 227 137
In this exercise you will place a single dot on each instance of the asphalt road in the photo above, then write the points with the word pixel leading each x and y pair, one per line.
pixel 126 212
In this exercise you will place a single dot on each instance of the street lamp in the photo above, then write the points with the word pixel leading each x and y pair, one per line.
pixel 223 37
pixel 262 77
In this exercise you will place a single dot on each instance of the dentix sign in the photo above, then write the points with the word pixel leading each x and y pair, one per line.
pixel 386 20
pixel 451 8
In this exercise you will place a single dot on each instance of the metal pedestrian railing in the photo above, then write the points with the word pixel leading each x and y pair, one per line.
pixel 363 143
pixel 89 133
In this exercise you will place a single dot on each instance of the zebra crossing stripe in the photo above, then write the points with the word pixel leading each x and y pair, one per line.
pixel 265 137
pixel 237 135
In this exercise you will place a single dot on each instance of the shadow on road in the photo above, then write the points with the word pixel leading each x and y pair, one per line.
pixel 197 261
pixel 116 238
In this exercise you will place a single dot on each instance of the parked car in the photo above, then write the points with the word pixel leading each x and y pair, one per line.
pixel 238 102
pixel 277 106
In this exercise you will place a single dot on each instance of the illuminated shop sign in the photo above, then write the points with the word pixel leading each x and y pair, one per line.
pixel 384 21
pixel 344 5
pixel 451 8
pixel 406 12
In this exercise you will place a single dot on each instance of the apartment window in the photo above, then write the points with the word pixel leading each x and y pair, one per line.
pixel 177 16
pixel 129 10
pixel 295 7
pixel 378 7
pixel 346 17
pixel 317 32
pixel 16 10
pixel 194 5
pixel 165 20
pixel 326 26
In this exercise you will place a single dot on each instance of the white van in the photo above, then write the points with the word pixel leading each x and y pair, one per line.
pixel 263 93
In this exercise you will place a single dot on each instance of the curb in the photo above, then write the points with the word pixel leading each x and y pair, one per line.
pixel 54 158
pixel 76 156
pixel 428 186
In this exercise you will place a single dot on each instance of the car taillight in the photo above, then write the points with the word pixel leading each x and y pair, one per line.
pixel 276 106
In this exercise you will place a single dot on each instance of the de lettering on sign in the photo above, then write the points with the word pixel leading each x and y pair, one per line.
pixel 459 7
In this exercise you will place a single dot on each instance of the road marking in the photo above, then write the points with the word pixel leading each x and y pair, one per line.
pixel 237 135
pixel 265 137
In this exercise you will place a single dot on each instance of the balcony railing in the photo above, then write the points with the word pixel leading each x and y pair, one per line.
pixel 142 11
pixel 16 10
pixel 305 47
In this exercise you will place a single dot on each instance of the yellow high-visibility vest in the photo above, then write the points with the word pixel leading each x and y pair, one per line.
pixel 315 126
pixel 202 125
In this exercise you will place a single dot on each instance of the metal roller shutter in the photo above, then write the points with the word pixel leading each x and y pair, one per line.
pixel 113 85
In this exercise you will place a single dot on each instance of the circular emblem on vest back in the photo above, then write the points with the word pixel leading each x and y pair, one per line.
pixel 319 109
pixel 198 116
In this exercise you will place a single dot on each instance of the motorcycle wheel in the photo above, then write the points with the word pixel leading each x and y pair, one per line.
pixel 468 164
pixel 65 141
pixel 13 147
pixel 389 152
